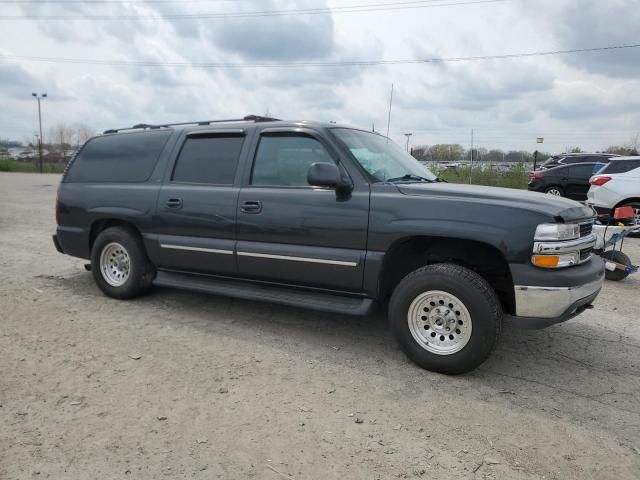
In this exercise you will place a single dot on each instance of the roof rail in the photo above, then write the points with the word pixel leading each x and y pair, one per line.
pixel 146 126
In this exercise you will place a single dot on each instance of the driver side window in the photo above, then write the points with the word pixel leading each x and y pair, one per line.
pixel 284 160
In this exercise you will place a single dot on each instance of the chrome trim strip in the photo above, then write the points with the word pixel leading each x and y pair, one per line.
pixel 298 259
pixel 569 246
pixel 550 302
pixel 197 249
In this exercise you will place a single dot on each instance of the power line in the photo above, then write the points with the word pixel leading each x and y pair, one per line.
pixel 121 2
pixel 263 13
pixel 344 63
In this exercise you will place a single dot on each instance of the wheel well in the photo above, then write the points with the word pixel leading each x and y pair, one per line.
pixel 409 254
pixel 101 225
pixel 625 201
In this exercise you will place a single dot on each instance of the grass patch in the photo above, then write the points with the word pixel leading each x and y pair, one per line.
pixel 10 165
pixel 517 177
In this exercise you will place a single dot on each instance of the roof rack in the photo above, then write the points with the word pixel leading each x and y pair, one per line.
pixel 146 126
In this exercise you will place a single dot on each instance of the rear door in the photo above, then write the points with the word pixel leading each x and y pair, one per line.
pixel 196 210
pixel 291 232
pixel 577 183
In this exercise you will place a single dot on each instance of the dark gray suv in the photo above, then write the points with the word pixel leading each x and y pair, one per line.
pixel 327 217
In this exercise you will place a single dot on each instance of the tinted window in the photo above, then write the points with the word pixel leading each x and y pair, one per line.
pixel 208 159
pixel 621 166
pixel 285 160
pixel 570 160
pixel 602 159
pixel 557 171
pixel 582 171
pixel 552 161
pixel 127 157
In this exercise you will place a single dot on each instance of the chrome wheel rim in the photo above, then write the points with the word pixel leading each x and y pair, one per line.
pixel 439 322
pixel 554 191
pixel 114 264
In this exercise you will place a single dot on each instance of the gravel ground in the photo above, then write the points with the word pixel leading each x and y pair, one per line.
pixel 184 385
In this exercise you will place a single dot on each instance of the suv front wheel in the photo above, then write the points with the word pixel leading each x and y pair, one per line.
pixel 120 265
pixel 446 318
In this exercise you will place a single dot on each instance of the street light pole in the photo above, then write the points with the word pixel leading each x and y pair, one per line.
pixel 408 135
pixel 40 97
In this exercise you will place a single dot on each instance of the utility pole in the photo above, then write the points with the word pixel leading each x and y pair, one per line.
pixel 40 97
pixel 389 116
pixel 408 135
pixel 471 169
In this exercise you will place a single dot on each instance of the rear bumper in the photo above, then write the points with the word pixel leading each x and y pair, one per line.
pixel 599 210
pixel 56 244
pixel 72 241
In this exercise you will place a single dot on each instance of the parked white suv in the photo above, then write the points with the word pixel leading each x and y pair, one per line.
pixel 616 185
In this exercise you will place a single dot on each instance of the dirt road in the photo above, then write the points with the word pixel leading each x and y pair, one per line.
pixel 183 385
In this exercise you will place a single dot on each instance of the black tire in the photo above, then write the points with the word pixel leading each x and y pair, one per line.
pixel 553 188
pixel 477 297
pixel 618 257
pixel 141 271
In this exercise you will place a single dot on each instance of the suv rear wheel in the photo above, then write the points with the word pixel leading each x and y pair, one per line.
pixel 554 190
pixel 120 265
pixel 446 318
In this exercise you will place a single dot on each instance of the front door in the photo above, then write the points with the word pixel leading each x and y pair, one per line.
pixel 291 232
pixel 197 205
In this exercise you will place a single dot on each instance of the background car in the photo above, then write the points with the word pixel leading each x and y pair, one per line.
pixel 571 181
pixel 616 185
pixel 571 158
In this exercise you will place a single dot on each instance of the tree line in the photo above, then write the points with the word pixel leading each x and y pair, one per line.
pixel 454 152
pixel 59 143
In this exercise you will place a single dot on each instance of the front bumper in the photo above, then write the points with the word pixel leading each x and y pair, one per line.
pixel 540 307
pixel 544 297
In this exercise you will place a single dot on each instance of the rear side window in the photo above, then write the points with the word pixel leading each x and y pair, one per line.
pixel 571 160
pixel 558 171
pixel 208 159
pixel 621 166
pixel 582 171
pixel 127 157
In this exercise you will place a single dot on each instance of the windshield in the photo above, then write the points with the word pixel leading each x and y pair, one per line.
pixel 382 158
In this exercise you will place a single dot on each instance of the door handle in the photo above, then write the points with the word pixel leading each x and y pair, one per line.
pixel 174 203
pixel 251 207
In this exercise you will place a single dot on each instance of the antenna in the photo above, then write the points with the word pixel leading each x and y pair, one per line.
pixel 389 116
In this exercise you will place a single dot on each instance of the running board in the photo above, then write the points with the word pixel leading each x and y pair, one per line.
pixel 325 302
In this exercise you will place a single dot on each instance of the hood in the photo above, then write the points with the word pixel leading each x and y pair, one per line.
pixel 561 209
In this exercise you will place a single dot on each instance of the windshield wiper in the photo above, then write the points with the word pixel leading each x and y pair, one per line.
pixel 409 176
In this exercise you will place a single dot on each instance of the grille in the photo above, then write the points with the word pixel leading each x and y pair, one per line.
pixel 585 253
pixel 585 229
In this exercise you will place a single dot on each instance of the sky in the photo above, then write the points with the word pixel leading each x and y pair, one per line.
pixel 591 100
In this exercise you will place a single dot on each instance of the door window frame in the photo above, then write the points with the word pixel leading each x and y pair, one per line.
pixel 246 132
pixel 289 132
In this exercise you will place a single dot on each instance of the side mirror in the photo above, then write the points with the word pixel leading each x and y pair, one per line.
pixel 324 174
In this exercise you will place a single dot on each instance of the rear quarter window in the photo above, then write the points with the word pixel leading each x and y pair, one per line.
pixel 621 166
pixel 126 157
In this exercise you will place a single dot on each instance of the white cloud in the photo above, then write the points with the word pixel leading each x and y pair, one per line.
pixel 582 99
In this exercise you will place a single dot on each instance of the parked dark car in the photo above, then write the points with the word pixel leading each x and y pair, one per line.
pixel 571 158
pixel 571 181
pixel 326 217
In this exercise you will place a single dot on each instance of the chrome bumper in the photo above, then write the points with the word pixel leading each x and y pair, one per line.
pixel 552 302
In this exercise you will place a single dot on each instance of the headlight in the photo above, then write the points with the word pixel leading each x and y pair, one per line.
pixel 557 231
